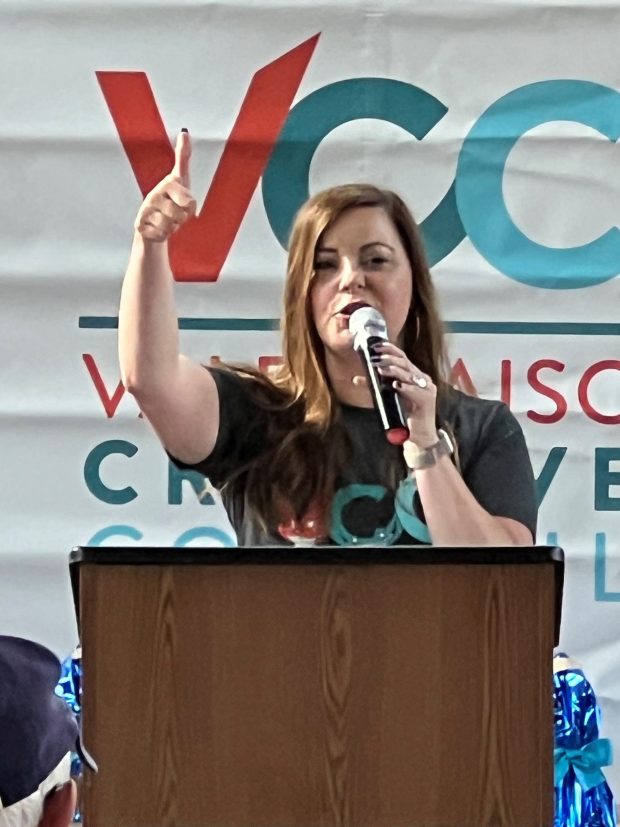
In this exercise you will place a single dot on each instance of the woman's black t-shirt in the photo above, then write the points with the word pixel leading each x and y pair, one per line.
pixel 493 461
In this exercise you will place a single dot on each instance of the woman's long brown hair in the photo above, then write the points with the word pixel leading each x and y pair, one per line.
pixel 308 441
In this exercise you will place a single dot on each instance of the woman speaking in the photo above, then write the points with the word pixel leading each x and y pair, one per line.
pixel 303 453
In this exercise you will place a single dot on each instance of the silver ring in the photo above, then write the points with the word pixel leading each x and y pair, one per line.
pixel 420 381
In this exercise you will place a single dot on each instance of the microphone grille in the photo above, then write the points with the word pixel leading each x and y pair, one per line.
pixel 367 319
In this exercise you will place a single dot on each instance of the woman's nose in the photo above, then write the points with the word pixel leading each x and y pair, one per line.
pixel 352 275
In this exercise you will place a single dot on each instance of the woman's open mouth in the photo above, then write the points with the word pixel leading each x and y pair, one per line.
pixel 351 308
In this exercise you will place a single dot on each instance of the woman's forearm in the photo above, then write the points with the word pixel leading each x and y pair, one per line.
pixel 454 516
pixel 148 337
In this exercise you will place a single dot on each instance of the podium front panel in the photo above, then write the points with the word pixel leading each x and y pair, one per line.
pixel 248 695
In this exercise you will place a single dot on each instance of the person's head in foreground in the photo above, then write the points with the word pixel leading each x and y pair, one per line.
pixel 37 733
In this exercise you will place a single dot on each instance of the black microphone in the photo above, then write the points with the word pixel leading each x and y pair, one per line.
pixel 370 330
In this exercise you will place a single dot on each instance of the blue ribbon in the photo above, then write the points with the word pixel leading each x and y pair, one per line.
pixel 586 763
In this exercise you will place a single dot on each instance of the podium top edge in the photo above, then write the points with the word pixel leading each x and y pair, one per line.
pixel 315 556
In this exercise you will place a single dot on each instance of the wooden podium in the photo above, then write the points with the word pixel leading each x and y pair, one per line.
pixel 290 687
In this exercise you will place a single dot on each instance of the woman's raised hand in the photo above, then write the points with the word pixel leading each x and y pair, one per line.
pixel 169 204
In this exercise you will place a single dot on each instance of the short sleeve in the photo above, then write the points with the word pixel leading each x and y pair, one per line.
pixel 241 433
pixel 499 472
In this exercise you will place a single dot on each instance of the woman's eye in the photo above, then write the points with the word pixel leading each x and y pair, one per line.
pixel 376 262
pixel 323 265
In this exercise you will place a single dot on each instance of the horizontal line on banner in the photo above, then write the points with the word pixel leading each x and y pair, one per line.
pixel 111 323
pixel 505 328
pixel 544 328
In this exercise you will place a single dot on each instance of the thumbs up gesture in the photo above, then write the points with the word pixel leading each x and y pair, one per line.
pixel 168 205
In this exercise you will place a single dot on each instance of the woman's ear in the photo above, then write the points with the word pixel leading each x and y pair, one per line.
pixel 59 806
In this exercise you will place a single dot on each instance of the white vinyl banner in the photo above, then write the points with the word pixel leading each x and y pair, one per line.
pixel 498 124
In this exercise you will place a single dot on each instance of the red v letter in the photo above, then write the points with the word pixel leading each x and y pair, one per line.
pixel 198 251
pixel 110 403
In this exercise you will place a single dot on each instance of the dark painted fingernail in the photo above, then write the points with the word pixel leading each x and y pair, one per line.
pixel 184 129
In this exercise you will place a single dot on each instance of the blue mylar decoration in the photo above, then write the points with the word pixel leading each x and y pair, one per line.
pixel 582 796
pixel 69 688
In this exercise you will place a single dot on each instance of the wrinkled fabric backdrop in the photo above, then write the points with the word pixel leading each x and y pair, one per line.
pixel 496 121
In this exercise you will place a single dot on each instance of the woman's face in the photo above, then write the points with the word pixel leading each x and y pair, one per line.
pixel 360 257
